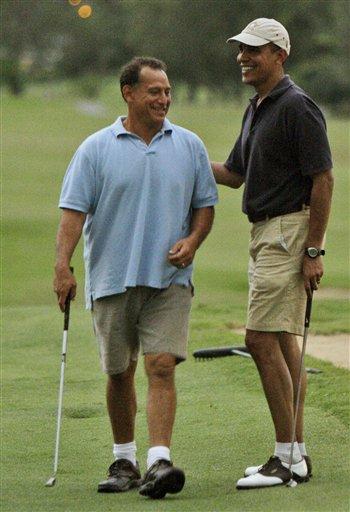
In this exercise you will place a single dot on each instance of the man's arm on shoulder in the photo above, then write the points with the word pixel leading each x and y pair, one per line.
pixel 69 233
pixel 182 253
pixel 320 206
pixel 223 176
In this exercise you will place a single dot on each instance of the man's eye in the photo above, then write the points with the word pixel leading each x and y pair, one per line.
pixel 250 49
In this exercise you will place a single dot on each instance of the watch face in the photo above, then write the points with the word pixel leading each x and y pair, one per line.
pixel 313 252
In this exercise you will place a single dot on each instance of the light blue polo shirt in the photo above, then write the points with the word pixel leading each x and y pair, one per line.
pixel 138 199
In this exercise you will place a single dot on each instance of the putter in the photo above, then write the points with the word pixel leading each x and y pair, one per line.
pixel 293 483
pixel 51 481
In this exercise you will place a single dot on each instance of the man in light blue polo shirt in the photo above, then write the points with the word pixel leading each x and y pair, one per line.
pixel 143 192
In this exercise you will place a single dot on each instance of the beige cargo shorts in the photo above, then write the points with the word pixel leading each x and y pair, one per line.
pixel 277 298
pixel 154 319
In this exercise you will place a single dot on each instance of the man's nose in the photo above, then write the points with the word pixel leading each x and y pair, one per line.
pixel 242 56
pixel 164 98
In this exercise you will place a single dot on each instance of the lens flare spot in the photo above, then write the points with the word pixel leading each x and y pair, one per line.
pixel 85 11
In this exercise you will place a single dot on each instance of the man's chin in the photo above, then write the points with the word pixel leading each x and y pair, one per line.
pixel 247 81
pixel 160 117
pixel 158 120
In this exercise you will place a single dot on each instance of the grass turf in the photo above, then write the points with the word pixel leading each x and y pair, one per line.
pixel 222 420
pixel 222 424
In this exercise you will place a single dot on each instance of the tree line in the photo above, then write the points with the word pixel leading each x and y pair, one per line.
pixel 48 40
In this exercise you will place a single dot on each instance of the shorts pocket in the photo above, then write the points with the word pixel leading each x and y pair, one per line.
pixel 293 234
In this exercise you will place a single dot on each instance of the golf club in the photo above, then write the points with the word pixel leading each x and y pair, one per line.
pixel 51 481
pixel 293 483
pixel 211 353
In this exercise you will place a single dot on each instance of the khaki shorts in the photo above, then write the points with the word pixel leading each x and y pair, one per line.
pixel 277 298
pixel 153 318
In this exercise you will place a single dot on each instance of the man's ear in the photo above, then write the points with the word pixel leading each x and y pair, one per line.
pixel 127 91
pixel 283 55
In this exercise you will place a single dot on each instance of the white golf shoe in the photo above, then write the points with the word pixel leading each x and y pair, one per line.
pixel 297 470
pixel 274 472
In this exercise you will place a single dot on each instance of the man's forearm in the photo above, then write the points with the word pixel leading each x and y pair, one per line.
pixel 225 177
pixel 202 221
pixel 320 205
pixel 69 233
pixel 68 236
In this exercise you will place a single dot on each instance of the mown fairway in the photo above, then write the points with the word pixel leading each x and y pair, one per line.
pixel 222 422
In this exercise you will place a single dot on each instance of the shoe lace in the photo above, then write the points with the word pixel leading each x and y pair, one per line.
pixel 270 464
pixel 159 464
pixel 120 469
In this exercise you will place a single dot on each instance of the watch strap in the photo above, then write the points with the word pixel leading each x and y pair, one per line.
pixel 314 252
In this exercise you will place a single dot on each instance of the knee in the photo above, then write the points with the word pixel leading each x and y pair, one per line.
pixel 253 341
pixel 119 379
pixel 261 345
pixel 160 366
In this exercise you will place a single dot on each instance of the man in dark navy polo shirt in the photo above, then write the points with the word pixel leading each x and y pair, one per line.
pixel 283 158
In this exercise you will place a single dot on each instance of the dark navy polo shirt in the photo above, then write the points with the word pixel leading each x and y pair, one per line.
pixel 282 144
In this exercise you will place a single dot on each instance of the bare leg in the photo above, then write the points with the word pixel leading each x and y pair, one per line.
pixel 161 403
pixel 121 404
pixel 276 380
pixel 292 356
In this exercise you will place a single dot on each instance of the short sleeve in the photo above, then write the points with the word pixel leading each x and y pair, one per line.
pixel 234 161
pixel 310 141
pixel 205 190
pixel 78 189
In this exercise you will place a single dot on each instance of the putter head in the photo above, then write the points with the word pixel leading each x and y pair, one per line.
pixel 313 370
pixel 51 482
pixel 292 483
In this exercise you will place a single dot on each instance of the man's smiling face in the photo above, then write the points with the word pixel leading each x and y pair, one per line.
pixel 150 99
pixel 259 64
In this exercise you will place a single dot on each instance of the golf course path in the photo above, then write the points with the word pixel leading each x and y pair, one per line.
pixel 333 348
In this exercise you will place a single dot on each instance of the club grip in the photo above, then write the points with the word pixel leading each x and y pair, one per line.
pixel 308 311
pixel 67 307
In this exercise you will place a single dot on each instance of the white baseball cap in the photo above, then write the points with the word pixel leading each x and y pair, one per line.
pixel 263 31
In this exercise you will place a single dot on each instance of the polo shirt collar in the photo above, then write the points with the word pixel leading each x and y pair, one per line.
pixel 118 127
pixel 278 90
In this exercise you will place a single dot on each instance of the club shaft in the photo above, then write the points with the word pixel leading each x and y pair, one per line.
pixel 240 353
pixel 60 398
pixel 301 367
pixel 52 480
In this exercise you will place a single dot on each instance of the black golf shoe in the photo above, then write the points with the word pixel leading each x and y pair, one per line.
pixel 162 478
pixel 122 476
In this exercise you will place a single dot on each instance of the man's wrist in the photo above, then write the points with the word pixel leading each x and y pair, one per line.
pixel 62 267
pixel 314 252
pixel 195 238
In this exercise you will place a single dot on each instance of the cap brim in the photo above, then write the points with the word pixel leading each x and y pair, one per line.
pixel 248 39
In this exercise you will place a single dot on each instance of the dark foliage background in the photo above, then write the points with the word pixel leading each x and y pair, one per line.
pixel 47 40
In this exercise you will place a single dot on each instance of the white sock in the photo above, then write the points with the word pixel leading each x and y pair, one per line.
pixel 302 449
pixel 282 451
pixel 125 451
pixel 157 452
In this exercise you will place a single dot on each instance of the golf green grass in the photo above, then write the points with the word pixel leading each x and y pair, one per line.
pixel 222 421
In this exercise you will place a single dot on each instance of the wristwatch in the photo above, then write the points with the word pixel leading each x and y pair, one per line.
pixel 313 252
